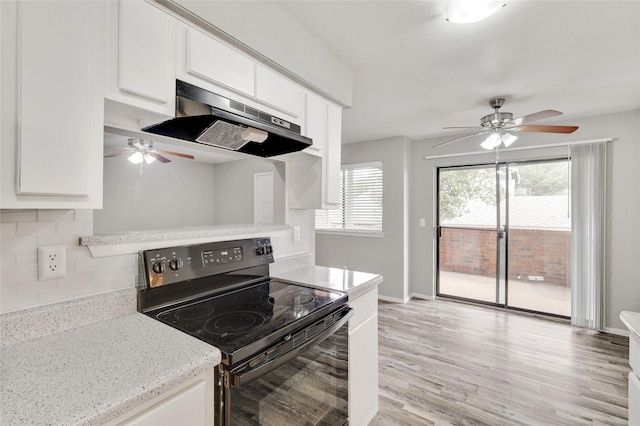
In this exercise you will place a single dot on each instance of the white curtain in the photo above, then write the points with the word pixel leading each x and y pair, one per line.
pixel 588 182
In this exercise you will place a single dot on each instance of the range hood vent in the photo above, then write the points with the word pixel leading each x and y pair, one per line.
pixel 210 119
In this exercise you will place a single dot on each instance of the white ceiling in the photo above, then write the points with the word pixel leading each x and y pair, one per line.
pixel 416 73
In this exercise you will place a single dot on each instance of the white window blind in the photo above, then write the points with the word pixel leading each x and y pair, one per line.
pixel 360 207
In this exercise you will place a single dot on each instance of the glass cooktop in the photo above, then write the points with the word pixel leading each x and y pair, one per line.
pixel 244 321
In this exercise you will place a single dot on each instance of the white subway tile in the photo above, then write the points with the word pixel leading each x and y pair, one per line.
pixel 27 258
pixel 12 304
pixel 127 282
pixel 36 228
pixel 36 286
pixel 8 230
pixel 18 216
pixel 8 289
pixel 78 252
pixel 8 260
pixel 56 295
pixel 123 260
pixel 56 239
pixel 84 265
pixel 18 244
pixel 56 215
pixel 114 273
pixel 76 228
pixel 75 280
pixel 92 289
pixel 84 215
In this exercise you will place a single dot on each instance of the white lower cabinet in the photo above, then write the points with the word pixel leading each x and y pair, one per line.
pixel 188 404
pixel 634 381
pixel 363 359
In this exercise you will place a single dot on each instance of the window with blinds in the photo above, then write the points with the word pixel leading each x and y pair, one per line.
pixel 360 207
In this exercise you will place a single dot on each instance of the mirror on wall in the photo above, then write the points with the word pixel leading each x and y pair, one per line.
pixel 183 193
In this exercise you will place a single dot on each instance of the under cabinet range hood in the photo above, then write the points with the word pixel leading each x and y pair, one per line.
pixel 207 118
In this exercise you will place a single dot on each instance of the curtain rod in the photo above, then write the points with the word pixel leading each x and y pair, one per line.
pixel 552 145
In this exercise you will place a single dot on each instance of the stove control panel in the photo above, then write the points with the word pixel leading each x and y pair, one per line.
pixel 177 264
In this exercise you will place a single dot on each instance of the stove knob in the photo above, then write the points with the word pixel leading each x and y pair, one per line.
pixel 158 267
pixel 260 250
pixel 175 264
pixel 269 249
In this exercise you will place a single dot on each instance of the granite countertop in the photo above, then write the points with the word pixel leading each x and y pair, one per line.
pixel 86 361
pixel 632 321
pixel 354 283
pixel 94 373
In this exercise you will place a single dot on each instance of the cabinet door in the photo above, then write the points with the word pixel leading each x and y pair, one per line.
pixel 333 156
pixel 60 113
pixel 143 51
pixel 363 372
pixel 278 92
pixel 217 63
pixel 315 122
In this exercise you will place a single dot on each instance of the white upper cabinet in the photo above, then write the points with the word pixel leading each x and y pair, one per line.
pixel 140 49
pixel 314 182
pixel 212 60
pixel 332 156
pixel 53 74
pixel 315 122
pixel 278 91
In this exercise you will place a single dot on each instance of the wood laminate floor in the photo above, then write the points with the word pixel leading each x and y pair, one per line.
pixel 445 362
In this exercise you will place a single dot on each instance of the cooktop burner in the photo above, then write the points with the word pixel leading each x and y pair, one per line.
pixel 239 321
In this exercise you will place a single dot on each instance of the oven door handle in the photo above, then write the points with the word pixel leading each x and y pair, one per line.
pixel 244 377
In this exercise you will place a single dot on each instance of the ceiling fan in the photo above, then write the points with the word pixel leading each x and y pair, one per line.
pixel 141 151
pixel 499 124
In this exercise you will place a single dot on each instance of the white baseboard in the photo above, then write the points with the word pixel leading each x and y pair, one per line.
pixel 392 299
pixel 421 296
pixel 617 331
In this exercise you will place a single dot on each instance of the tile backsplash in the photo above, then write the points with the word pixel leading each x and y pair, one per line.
pixel 23 231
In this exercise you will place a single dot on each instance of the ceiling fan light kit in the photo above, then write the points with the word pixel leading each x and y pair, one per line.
pixel 499 123
pixel 141 152
pixel 470 11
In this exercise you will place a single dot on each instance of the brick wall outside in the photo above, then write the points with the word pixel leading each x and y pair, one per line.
pixel 532 252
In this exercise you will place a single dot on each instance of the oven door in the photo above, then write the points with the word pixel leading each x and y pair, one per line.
pixel 304 386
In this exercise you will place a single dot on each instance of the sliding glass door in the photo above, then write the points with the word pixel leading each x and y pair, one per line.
pixel 504 235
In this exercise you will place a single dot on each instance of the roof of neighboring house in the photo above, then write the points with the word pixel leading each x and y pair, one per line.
pixel 548 212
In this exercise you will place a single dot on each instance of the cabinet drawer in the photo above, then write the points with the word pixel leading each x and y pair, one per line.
pixel 364 307
pixel 634 399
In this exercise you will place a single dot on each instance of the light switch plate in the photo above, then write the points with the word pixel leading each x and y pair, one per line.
pixel 52 262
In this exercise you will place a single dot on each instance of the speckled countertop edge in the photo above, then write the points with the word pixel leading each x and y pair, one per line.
pixel 91 374
pixel 179 233
pixel 354 283
pixel 632 321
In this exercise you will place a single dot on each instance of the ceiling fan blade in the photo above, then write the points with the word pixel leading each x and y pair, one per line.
pixel 177 154
pixel 546 129
pixel 159 157
pixel 459 139
pixel 472 127
pixel 547 113
pixel 115 154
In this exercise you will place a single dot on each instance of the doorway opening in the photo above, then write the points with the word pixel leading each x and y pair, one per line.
pixel 504 235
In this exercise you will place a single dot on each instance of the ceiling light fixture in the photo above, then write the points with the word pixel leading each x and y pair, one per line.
pixel 469 11
pixel 495 139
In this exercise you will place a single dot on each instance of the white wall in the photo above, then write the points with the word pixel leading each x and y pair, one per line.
pixel 234 190
pixel 387 255
pixel 157 198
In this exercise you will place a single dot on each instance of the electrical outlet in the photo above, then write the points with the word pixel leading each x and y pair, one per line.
pixel 296 234
pixel 52 262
